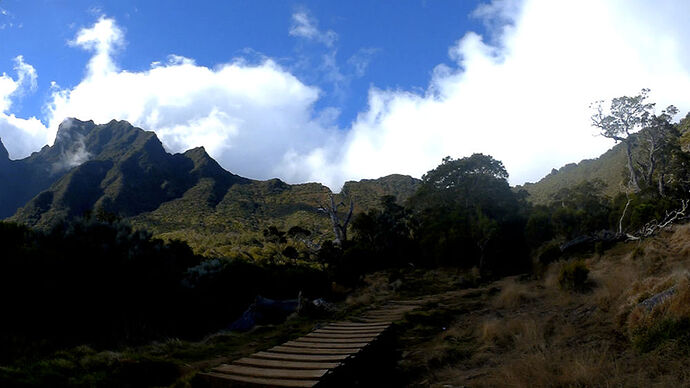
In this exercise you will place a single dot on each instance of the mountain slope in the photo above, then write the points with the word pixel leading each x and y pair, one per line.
pixel 24 178
pixel 247 209
pixel 610 167
pixel 125 170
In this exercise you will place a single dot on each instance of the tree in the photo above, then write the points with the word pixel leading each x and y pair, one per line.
pixel 466 214
pixel 626 116
pixel 659 144
pixel 339 227
pixel 478 180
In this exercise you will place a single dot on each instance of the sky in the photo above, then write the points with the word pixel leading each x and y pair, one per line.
pixel 331 91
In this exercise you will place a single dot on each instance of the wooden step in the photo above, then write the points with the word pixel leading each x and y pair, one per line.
pixel 350 333
pixel 354 329
pixel 260 381
pixel 341 336
pixel 293 350
pixel 353 324
pixel 346 340
pixel 283 364
pixel 272 373
pixel 380 320
pixel 326 345
pixel 301 357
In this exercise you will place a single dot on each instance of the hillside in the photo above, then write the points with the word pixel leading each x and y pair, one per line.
pixel 610 167
pixel 23 179
pixel 245 210
pixel 124 170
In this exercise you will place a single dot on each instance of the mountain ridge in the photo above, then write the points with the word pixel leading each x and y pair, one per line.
pixel 121 169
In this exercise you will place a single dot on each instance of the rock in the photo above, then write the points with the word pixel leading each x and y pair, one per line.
pixel 657 299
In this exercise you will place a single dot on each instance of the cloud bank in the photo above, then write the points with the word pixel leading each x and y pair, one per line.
pixel 520 93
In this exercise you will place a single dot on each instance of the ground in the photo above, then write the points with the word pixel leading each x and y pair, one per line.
pixel 520 331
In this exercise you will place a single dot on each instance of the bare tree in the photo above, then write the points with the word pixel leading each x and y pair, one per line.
pixel 625 116
pixel 657 148
pixel 654 226
pixel 339 227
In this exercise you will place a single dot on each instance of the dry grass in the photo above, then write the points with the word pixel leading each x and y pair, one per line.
pixel 514 294
pixel 533 334
pixel 377 288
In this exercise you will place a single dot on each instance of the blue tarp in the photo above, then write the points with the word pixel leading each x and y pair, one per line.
pixel 264 311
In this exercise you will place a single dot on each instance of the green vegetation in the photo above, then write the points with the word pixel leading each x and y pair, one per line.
pixel 137 257
pixel 573 275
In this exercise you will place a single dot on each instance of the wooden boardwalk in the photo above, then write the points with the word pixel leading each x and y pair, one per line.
pixel 309 360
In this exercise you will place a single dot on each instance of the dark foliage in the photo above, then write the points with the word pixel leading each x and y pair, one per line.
pixel 464 214
pixel 97 281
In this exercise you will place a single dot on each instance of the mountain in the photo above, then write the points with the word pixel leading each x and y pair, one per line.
pixel 610 167
pixel 23 179
pixel 125 170
pixel 369 191
pixel 120 169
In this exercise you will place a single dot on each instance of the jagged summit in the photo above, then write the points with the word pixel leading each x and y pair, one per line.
pixel 123 169
pixel 72 128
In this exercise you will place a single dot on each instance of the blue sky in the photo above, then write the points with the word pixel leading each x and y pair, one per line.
pixel 397 43
pixel 331 91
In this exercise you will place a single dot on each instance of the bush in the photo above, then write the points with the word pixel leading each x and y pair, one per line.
pixel 573 276
pixel 550 253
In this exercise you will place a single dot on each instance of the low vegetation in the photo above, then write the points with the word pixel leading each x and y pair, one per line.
pixel 584 287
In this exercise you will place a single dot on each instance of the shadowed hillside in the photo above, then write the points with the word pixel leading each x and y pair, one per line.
pixel 124 171
pixel 609 167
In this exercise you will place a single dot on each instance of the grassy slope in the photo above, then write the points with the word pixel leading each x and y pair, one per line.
pixel 232 224
pixel 610 167
pixel 519 331
pixel 530 333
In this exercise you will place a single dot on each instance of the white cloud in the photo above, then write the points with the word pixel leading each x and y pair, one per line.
pixel 20 136
pixel 103 39
pixel 247 116
pixel 521 93
pixel 522 97
pixel 304 26
pixel 11 88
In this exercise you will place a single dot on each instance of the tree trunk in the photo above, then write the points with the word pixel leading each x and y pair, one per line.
pixel 652 163
pixel 620 221
pixel 633 175
pixel 339 229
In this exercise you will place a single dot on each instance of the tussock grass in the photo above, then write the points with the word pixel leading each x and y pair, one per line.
pixel 514 294
pixel 534 334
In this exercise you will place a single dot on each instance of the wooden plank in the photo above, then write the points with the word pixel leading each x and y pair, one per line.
pixel 326 345
pixel 272 373
pixel 360 326
pixel 355 329
pixel 379 320
pixel 283 364
pixel 340 336
pixel 349 332
pixel 300 357
pixel 293 350
pixel 335 340
pixel 261 381
pixel 352 324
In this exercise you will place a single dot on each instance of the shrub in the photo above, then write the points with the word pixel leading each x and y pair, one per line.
pixel 573 275
pixel 550 253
